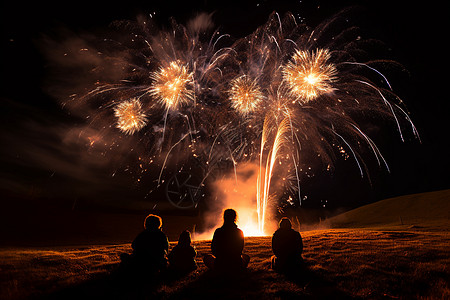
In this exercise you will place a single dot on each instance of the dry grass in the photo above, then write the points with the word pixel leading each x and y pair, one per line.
pixel 340 263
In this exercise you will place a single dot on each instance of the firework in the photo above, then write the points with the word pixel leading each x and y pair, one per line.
pixel 266 171
pixel 293 107
pixel 245 95
pixel 309 74
pixel 130 117
pixel 172 85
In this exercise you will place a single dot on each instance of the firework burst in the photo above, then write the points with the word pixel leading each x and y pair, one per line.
pixel 130 117
pixel 245 94
pixel 173 85
pixel 309 75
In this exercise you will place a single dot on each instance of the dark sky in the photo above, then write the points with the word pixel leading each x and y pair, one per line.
pixel 42 160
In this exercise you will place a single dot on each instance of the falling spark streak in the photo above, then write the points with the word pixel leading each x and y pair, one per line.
pixel 167 156
pixel 387 104
pixel 214 142
pixel 353 152
pixel 275 40
pixel 371 68
pixel 289 40
pixel 293 134
pixel 413 127
pixel 279 22
pixel 223 35
pixel 374 147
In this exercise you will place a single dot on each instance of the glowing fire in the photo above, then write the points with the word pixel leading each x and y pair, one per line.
pixel 247 222
pixel 251 228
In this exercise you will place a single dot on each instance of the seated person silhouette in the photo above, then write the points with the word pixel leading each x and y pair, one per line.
pixel 182 256
pixel 227 246
pixel 149 248
pixel 287 246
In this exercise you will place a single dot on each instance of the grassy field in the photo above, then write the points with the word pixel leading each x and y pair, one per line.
pixel 339 264
pixel 407 258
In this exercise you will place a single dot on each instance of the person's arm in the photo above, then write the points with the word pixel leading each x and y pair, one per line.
pixel 135 243
pixel 170 255
pixel 275 245
pixel 214 243
pixel 166 243
pixel 299 243
pixel 241 240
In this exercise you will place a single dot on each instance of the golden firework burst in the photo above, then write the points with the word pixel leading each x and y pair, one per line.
pixel 245 94
pixel 130 117
pixel 308 74
pixel 173 85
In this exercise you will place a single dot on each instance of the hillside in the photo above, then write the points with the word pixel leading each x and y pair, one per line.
pixel 413 211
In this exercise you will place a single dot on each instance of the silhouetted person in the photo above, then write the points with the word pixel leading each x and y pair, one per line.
pixel 149 247
pixel 227 246
pixel 182 256
pixel 287 246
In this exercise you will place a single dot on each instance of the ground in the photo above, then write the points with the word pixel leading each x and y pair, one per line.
pixel 405 255
pixel 340 263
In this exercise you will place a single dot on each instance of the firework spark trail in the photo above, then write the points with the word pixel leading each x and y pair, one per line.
pixel 188 94
pixel 353 152
pixel 388 105
pixel 293 134
pixel 264 179
pixel 167 156
pixel 374 148
pixel 371 68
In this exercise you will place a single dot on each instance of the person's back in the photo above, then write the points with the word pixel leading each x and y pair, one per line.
pixel 151 245
pixel 227 246
pixel 182 256
pixel 287 246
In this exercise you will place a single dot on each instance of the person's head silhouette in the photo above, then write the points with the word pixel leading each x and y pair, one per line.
pixel 229 216
pixel 152 222
pixel 185 238
pixel 285 223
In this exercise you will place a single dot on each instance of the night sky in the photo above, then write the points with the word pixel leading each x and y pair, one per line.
pixel 41 161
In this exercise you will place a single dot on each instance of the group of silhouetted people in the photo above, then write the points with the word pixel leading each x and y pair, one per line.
pixel 150 249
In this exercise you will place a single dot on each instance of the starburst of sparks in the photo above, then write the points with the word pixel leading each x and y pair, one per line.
pixel 173 85
pixel 309 75
pixel 245 94
pixel 130 116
